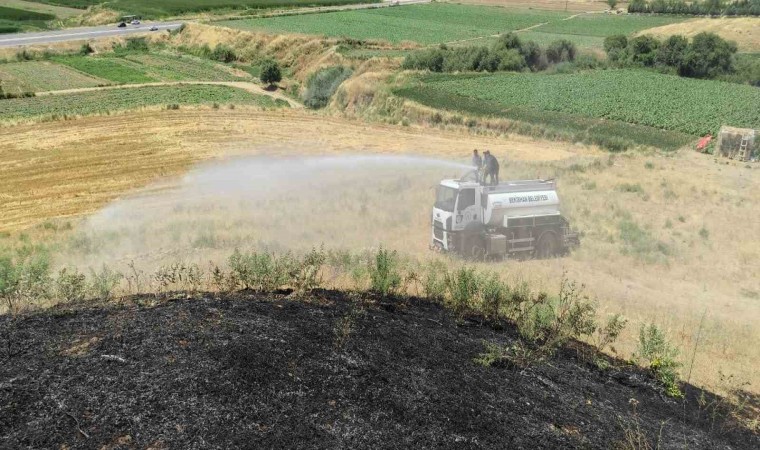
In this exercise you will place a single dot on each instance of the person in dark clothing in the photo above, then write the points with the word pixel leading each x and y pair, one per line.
pixel 491 168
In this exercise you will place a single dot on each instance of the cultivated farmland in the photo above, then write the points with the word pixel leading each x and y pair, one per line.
pixel 147 67
pixel 35 76
pixel 426 24
pixel 13 20
pixel 108 68
pixel 667 102
pixel 108 100
pixel 152 8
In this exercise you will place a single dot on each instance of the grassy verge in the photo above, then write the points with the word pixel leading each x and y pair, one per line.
pixel 106 101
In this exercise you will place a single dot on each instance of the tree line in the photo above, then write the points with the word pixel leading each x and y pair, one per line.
pixel 508 53
pixel 707 55
pixel 699 8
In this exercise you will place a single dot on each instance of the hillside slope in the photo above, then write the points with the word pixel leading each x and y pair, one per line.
pixel 259 371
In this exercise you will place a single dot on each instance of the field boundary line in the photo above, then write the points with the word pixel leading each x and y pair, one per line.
pixel 244 85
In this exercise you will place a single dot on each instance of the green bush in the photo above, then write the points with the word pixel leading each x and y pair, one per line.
pixel 270 72
pixel 305 274
pixel 384 275
pixel 223 53
pixel 659 355
pixel 25 277
pixel 434 280
pixel 463 286
pixel 104 282
pixel 71 285
pixel 608 334
pixel 321 86
pixel 263 272
pixel 493 294
pixel 560 50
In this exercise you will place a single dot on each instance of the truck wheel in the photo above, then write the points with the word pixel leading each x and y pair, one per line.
pixel 474 247
pixel 547 246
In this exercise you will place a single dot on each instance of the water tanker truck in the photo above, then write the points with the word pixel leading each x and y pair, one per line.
pixel 512 219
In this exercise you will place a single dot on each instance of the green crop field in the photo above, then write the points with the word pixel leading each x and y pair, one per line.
pixel 154 8
pixel 112 69
pixel 169 67
pixel 13 20
pixel 147 67
pixel 36 76
pixel 109 100
pixel 426 24
pixel 668 102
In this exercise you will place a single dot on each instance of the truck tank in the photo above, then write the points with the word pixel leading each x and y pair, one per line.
pixel 519 199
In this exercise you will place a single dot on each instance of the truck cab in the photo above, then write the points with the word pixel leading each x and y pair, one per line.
pixel 514 218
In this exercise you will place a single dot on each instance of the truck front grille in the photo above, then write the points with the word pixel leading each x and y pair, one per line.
pixel 438 230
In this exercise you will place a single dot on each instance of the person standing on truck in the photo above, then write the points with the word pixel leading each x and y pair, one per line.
pixel 477 161
pixel 491 167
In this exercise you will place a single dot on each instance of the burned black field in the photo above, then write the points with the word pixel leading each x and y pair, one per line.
pixel 266 371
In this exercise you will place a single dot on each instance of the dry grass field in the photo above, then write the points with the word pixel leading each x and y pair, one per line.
pixel 667 237
pixel 744 30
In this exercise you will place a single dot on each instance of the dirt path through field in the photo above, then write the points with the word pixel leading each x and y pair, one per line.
pixel 245 85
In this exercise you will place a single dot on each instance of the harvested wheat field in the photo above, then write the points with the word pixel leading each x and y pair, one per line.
pixel 745 31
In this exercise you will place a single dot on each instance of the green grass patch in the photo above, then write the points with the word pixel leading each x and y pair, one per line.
pixel 22 15
pixel 168 67
pixel 639 97
pixel 426 24
pixel 109 100
pixel 140 67
pixel 108 68
pixel 14 20
pixel 36 76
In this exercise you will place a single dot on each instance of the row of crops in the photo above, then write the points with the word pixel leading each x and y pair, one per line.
pixel 446 22
pixel 426 24
pixel 35 76
pixel 690 106
pixel 72 72
pixel 147 67
pixel 110 100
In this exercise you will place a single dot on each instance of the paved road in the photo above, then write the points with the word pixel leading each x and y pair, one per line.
pixel 85 33
pixel 76 34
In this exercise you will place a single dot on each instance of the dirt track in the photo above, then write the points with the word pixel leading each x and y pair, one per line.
pixel 266 372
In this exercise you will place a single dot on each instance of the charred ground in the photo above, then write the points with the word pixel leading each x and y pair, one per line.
pixel 333 371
